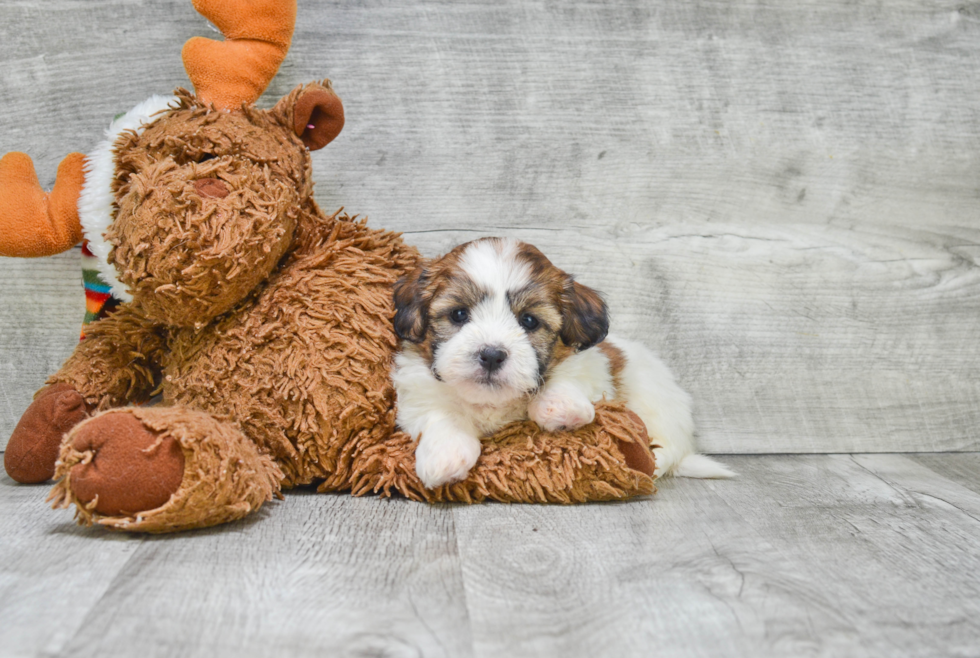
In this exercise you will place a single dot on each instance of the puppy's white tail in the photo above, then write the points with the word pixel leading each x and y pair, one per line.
pixel 699 466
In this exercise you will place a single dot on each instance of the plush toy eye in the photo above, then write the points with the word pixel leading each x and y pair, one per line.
pixel 529 322
pixel 459 316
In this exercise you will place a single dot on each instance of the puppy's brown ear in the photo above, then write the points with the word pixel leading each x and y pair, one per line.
pixel 585 320
pixel 412 306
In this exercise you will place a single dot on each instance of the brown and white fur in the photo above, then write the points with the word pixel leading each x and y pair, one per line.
pixel 493 333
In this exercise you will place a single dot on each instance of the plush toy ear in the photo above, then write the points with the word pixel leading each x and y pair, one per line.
pixel 412 306
pixel 318 115
pixel 585 320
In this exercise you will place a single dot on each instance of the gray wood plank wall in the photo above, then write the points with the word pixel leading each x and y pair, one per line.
pixel 783 198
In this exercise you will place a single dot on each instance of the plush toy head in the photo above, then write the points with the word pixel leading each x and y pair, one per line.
pixel 208 201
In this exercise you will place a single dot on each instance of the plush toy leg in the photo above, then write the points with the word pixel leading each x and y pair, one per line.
pixel 161 469
pixel 610 459
pixel 33 447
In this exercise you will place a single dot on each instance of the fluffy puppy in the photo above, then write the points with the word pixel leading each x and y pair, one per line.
pixel 492 333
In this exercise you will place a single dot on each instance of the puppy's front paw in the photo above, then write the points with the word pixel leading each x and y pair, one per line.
pixel 442 458
pixel 557 409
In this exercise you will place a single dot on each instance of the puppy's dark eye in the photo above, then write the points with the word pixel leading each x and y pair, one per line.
pixel 459 316
pixel 204 157
pixel 529 322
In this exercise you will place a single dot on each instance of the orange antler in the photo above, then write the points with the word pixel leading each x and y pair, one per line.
pixel 33 222
pixel 237 70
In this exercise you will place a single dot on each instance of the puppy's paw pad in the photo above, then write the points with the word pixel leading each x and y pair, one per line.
pixel 449 462
pixel 555 411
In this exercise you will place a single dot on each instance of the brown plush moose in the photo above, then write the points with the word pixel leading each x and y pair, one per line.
pixel 260 324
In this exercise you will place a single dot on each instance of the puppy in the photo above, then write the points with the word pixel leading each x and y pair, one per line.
pixel 493 333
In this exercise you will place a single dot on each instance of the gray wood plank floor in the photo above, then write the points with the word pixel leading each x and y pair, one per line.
pixel 802 555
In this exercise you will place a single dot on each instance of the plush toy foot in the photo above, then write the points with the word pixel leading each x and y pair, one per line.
pixel 161 469
pixel 637 453
pixel 128 468
pixel 33 447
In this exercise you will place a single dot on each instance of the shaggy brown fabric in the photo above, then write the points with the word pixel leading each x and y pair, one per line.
pixel 33 447
pixel 304 365
pixel 523 464
pixel 224 476
pixel 117 363
pixel 188 257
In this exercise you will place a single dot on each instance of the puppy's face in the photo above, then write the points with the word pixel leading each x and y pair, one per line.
pixel 493 316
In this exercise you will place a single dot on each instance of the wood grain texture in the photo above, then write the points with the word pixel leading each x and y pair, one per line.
pixel 889 556
pixel 51 572
pixel 802 555
pixel 799 556
pixel 782 198
pixel 312 576
pixel 43 303
pixel 963 469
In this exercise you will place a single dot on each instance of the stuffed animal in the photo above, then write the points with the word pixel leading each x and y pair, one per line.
pixel 262 325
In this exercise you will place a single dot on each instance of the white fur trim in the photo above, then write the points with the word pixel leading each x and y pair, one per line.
pixel 95 205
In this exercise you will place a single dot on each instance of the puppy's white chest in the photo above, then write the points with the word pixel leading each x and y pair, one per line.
pixel 488 419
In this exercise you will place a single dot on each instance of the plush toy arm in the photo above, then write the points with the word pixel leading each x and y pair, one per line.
pixel 608 459
pixel 33 222
pixel 118 362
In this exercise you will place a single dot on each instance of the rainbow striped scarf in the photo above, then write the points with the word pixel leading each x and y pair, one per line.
pixel 99 301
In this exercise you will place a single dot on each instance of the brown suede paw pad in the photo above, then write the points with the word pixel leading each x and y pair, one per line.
pixel 33 448
pixel 131 469
pixel 637 453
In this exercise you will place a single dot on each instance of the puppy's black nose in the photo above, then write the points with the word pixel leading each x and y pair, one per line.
pixel 491 358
